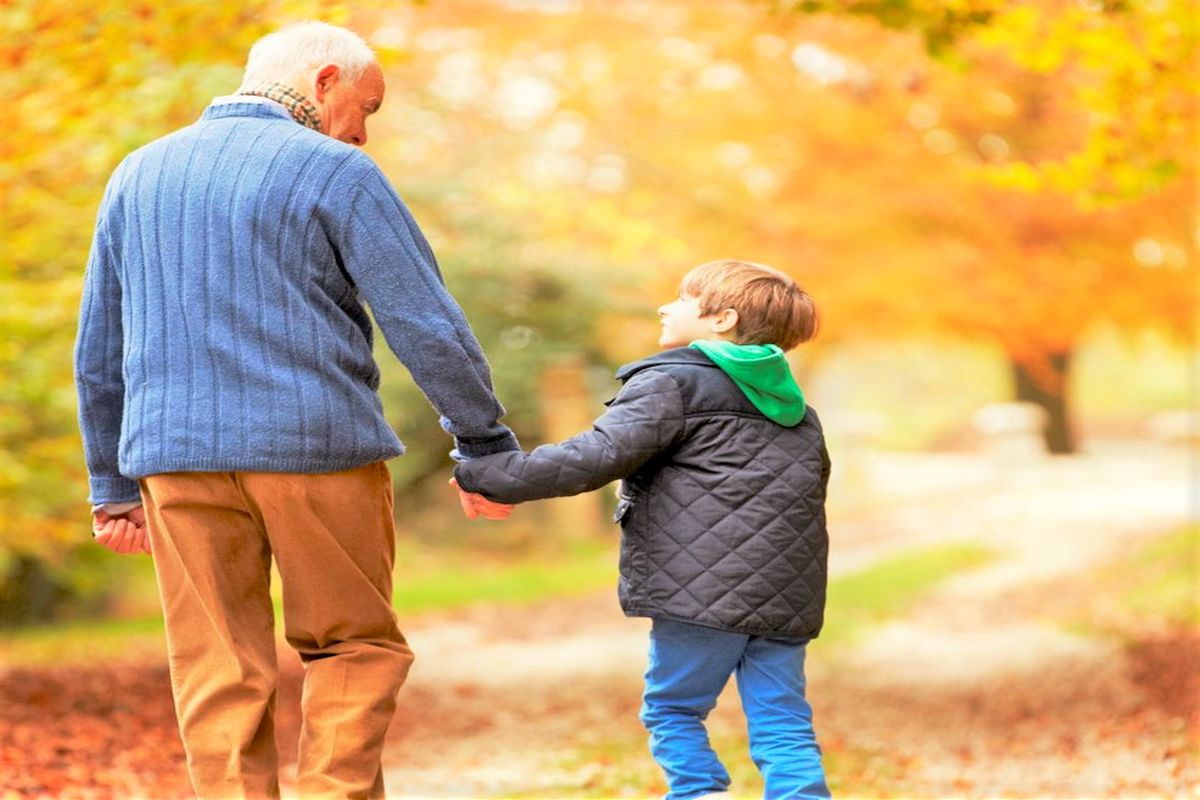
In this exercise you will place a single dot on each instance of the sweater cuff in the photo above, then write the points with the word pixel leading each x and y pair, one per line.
pixel 467 449
pixel 113 490
pixel 117 509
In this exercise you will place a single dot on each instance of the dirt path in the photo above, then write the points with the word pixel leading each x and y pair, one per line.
pixel 977 692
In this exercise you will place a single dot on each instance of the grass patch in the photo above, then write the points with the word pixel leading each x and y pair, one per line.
pixel 1164 579
pixel 1156 586
pixel 426 580
pixel 439 579
pixel 81 643
pixel 891 587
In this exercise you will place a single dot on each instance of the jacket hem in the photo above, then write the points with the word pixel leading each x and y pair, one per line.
pixel 773 633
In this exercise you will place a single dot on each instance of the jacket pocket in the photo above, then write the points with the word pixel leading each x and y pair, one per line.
pixel 624 506
pixel 625 500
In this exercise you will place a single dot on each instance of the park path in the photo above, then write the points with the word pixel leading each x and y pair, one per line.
pixel 979 691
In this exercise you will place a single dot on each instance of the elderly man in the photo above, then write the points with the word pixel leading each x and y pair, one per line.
pixel 226 385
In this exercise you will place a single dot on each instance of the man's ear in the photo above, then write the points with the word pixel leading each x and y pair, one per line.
pixel 324 80
pixel 725 321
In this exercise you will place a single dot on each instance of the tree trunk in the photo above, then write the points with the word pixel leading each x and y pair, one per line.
pixel 28 594
pixel 568 409
pixel 1044 382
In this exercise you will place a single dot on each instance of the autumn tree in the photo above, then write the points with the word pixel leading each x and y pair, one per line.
pixel 1129 69
pixel 975 196
pixel 1102 148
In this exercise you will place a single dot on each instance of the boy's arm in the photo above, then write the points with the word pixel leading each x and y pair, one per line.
pixel 645 419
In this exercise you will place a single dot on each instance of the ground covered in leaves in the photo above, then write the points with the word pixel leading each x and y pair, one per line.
pixel 1026 676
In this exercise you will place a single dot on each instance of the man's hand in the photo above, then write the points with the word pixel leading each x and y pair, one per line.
pixel 122 533
pixel 476 505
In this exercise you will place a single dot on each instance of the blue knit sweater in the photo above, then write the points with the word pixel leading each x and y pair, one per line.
pixel 222 325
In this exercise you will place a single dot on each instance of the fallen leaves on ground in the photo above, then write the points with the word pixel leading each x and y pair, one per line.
pixel 86 733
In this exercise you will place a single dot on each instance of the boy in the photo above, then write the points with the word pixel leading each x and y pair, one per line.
pixel 723 524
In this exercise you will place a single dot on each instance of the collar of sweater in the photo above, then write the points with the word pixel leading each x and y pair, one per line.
pixel 299 106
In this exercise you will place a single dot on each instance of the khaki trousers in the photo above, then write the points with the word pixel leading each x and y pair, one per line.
pixel 332 537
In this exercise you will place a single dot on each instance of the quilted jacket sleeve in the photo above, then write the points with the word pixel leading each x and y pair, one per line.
pixel 643 420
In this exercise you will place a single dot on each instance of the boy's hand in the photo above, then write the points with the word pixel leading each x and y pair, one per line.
pixel 476 505
pixel 123 533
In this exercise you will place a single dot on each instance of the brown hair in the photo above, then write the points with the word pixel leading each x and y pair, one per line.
pixel 771 308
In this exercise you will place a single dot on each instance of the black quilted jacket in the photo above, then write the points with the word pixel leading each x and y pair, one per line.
pixel 722 511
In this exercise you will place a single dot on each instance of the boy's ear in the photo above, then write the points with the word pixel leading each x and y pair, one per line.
pixel 725 321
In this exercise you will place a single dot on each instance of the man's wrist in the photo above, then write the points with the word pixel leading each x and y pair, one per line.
pixel 117 509
pixel 113 489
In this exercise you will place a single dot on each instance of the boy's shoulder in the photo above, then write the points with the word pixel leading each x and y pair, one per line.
pixel 676 357
pixel 701 383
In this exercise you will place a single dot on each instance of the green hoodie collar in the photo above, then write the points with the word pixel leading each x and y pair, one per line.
pixel 763 375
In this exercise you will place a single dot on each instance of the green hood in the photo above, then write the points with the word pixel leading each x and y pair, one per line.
pixel 763 375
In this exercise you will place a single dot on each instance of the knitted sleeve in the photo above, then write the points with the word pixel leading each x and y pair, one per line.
pixel 391 263
pixel 98 372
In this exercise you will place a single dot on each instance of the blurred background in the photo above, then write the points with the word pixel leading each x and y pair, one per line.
pixel 993 203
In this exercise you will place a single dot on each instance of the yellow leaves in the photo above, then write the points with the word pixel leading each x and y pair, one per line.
pixel 331 11
pixel 1133 67
pixel 1022 29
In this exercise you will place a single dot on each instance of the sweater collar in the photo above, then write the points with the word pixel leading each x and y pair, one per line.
pixel 299 106
pixel 247 105
pixel 243 106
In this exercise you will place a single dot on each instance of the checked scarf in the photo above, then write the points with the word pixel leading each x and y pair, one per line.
pixel 299 106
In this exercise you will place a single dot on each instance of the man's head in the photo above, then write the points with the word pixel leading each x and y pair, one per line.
pixel 740 302
pixel 331 66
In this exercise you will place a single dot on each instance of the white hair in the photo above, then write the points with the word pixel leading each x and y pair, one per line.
pixel 306 46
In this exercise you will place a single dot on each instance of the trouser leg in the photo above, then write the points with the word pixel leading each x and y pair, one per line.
pixel 782 742
pixel 213 569
pixel 689 665
pixel 333 537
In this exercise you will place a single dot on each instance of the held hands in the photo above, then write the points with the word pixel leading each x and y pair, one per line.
pixel 476 505
pixel 122 533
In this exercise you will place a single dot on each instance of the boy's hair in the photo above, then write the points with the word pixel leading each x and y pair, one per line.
pixel 771 308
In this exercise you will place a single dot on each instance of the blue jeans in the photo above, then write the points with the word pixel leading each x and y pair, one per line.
pixel 689 666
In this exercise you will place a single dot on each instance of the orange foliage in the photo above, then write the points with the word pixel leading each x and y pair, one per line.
pixel 660 135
